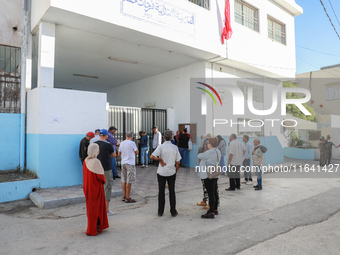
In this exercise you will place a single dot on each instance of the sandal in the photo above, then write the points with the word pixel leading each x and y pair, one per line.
pixel 130 200
pixel 203 203
pixel 123 199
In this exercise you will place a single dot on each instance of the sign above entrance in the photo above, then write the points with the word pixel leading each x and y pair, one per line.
pixel 160 12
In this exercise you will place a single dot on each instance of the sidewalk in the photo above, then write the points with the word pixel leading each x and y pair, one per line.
pixel 146 186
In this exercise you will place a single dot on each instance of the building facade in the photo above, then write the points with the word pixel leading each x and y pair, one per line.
pixel 80 56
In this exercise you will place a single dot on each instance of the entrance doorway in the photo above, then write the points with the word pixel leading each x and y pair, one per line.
pixel 137 119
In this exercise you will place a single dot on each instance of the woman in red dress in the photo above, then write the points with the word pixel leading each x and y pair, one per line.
pixel 94 179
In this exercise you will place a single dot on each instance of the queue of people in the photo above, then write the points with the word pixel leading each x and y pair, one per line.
pixel 169 150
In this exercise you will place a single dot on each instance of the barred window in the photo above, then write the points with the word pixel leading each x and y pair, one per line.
pixel 257 91
pixel 332 92
pixel 255 129
pixel 10 59
pixel 314 135
pixel 203 3
pixel 276 30
pixel 246 15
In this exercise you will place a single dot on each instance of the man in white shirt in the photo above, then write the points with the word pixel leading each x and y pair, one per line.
pixel 127 151
pixel 236 152
pixel 168 156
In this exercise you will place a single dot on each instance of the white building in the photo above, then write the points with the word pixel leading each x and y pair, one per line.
pixel 82 54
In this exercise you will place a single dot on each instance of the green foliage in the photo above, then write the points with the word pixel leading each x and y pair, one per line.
pixel 293 109
pixel 294 139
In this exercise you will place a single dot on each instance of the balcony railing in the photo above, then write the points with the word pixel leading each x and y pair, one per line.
pixel 203 3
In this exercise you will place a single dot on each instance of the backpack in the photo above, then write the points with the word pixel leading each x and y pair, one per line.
pixel 263 149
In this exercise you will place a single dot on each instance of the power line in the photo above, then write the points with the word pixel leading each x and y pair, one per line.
pixel 309 63
pixel 334 11
pixel 318 51
pixel 329 18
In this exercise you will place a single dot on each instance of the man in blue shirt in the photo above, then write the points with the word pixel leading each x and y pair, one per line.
pixel 113 141
pixel 246 161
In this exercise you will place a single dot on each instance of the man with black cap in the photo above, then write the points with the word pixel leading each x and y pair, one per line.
pixel 157 140
pixel 113 141
pixel 84 143
pixel 106 152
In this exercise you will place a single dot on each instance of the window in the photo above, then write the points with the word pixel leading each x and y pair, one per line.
pixel 10 78
pixel 202 3
pixel 246 15
pixel 257 91
pixel 276 30
pixel 314 135
pixel 332 92
pixel 253 128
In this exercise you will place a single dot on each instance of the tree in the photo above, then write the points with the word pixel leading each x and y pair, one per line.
pixel 293 109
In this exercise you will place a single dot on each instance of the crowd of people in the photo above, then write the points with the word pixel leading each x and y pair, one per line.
pixel 98 152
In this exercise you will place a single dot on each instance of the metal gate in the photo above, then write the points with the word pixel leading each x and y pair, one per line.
pixel 137 119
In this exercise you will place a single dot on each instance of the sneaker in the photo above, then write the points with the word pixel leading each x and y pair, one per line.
pixel 249 182
pixel 258 188
pixel 244 181
pixel 216 212
pixel 109 213
pixel 146 166
pixel 255 186
pixel 208 216
pixel 143 166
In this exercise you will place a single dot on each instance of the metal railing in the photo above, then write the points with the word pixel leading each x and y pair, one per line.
pixel 137 119
pixel 10 79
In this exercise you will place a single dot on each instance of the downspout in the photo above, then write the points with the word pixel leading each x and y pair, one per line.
pixel 25 76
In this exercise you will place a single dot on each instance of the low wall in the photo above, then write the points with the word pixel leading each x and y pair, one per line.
pixel 11 191
pixel 307 154
pixel 10 127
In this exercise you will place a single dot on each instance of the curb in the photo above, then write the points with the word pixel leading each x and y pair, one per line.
pixel 40 202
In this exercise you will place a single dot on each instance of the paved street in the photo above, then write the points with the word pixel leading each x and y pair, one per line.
pixel 289 216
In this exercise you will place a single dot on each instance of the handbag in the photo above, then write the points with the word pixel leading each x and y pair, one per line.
pixel 214 171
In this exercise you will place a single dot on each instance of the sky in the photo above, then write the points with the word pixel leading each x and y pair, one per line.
pixel 314 31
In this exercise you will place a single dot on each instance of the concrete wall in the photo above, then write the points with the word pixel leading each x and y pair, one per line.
pixel 307 154
pixel 168 90
pixel 256 49
pixel 11 16
pixel 10 191
pixel 10 126
pixel 317 82
pixel 57 120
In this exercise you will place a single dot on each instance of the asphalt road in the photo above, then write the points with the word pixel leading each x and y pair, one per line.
pixel 289 216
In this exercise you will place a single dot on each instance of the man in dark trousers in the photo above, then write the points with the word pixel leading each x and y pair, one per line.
pixel 168 156
pixel 106 151
pixel 84 143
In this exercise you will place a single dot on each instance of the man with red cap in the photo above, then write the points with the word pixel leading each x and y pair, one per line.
pixel 84 143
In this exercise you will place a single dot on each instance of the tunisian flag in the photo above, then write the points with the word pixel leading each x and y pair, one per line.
pixel 227 31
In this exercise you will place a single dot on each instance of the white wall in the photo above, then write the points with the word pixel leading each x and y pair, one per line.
pixel 255 48
pixel 79 112
pixel 230 76
pixel 10 16
pixel 168 90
